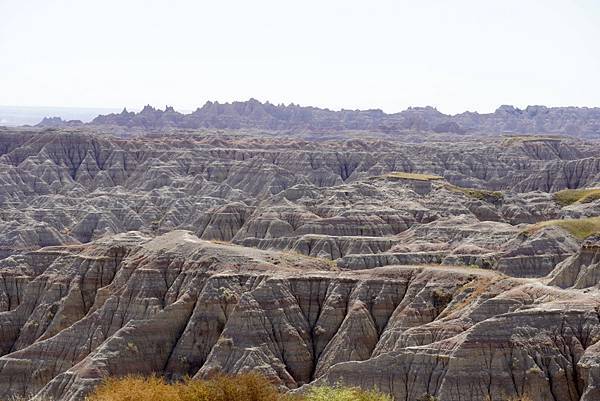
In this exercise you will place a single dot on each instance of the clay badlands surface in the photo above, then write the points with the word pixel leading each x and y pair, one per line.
pixel 441 264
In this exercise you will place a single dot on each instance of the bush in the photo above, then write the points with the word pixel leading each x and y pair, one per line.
pixel 134 389
pixel 245 387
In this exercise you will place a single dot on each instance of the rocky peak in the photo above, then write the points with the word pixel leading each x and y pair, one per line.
pixel 50 122
pixel 252 113
pixel 507 109
pixel 148 109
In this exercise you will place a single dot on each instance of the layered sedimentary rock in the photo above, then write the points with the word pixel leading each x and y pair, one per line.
pixel 581 270
pixel 176 305
pixel 320 197
pixel 418 268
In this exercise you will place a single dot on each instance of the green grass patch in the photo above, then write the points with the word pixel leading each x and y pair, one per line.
pixel 413 176
pixel 570 196
pixel 579 228
pixel 481 194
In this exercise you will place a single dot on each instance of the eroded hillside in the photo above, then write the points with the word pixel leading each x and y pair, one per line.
pixel 448 268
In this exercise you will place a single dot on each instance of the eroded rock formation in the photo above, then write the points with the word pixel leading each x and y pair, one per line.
pixel 418 268
pixel 253 114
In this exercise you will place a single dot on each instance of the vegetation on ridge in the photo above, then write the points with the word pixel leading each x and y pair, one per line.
pixel 515 139
pixel 481 194
pixel 413 176
pixel 579 228
pixel 569 196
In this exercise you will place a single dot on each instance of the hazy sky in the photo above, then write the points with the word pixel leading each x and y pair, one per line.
pixel 455 55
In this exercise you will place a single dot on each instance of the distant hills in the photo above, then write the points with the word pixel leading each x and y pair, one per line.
pixel 253 114
pixel 31 115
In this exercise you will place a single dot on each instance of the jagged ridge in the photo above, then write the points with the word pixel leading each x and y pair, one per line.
pixel 253 114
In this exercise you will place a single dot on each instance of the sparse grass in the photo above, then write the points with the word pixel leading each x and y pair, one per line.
pixel 413 176
pixel 481 194
pixel 570 196
pixel 467 295
pixel 337 393
pixel 579 228
pixel 292 254
pixel 244 387
pixel 515 139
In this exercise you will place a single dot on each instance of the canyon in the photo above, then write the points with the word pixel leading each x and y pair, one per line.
pixel 444 263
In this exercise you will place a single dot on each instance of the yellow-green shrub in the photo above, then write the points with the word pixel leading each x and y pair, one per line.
pixel 244 387
pixel 136 389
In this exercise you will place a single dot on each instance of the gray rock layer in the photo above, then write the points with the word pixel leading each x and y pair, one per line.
pixel 176 305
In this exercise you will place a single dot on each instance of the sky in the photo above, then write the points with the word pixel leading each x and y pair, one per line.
pixel 453 55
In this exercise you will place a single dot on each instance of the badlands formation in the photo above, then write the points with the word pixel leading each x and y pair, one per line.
pixel 462 267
